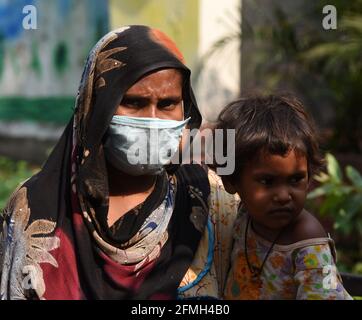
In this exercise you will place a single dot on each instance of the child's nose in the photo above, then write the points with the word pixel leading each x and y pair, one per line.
pixel 283 196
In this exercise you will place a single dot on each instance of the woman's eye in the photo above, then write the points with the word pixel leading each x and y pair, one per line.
pixel 128 104
pixel 132 103
pixel 167 103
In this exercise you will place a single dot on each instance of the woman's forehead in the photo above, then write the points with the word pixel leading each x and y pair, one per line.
pixel 164 79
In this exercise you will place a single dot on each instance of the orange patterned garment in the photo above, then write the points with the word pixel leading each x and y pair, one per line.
pixel 303 270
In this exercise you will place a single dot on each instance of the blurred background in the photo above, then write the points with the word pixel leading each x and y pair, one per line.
pixel 233 47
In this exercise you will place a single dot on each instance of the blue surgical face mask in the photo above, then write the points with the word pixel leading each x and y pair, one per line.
pixel 142 146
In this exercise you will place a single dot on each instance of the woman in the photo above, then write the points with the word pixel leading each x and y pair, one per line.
pixel 91 225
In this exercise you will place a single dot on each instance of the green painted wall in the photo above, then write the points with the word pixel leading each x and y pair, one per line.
pixel 177 18
pixel 57 110
pixel 40 69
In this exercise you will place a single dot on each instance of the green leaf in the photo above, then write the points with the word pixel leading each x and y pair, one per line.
pixel 322 177
pixel 343 222
pixel 318 192
pixel 352 22
pixel 321 51
pixel 357 268
pixel 333 168
pixel 331 205
pixel 359 226
pixel 321 191
pixel 336 225
pixel 354 176
pixel 342 212
pixel 342 190
pixel 353 205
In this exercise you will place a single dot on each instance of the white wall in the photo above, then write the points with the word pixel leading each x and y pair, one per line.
pixel 219 80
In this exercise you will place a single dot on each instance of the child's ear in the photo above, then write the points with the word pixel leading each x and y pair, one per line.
pixel 229 187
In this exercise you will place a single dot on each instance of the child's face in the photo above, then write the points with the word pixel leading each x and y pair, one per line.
pixel 273 188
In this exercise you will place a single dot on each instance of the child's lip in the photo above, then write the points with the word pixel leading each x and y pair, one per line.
pixel 282 210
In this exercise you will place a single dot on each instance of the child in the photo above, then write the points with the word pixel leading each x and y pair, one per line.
pixel 280 250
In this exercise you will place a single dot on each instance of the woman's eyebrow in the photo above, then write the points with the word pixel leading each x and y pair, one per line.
pixel 172 98
pixel 142 96
pixel 135 98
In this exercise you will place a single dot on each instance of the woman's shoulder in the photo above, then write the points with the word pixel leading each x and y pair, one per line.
pixel 220 199
pixel 214 179
pixel 217 185
pixel 16 197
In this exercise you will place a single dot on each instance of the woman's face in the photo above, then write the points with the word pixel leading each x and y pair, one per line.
pixel 157 95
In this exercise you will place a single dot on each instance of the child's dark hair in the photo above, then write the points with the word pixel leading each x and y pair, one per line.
pixel 275 124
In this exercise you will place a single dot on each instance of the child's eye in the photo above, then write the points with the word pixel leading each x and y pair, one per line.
pixel 266 181
pixel 296 179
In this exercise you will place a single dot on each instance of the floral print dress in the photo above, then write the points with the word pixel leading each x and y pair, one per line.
pixel 303 270
pixel 206 277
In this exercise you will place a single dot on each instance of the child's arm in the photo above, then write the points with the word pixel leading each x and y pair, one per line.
pixel 314 261
pixel 316 273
